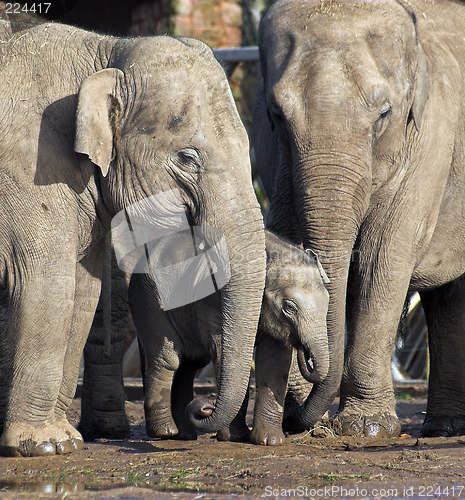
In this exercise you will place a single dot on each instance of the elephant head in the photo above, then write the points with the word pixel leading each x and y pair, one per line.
pixel 343 86
pixel 161 119
pixel 295 303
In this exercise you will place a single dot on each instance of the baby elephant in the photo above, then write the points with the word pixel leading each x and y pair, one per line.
pixel 178 342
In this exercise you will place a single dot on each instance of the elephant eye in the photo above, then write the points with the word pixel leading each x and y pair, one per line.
pixel 383 120
pixel 188 155
pixel 289 308
pixel 385 111
pixel 277 118
pixel 189 158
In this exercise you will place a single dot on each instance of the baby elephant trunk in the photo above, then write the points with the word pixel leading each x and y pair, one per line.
pixel 310 327
pixel 313 359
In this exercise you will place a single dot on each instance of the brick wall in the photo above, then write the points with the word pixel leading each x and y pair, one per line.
pixel 218 23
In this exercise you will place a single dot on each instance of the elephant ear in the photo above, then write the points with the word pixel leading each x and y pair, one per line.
pixel 98 116
pixel 314 256
pixel 420 92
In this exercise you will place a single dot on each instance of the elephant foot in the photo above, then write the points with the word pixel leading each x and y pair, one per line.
pixel 24 440
pixel 374 426
pixel 443 426
pixel 159 422
pixel 267 437
pixel 179 428
pixel 104 424
pixel 166 430
pixel 236 434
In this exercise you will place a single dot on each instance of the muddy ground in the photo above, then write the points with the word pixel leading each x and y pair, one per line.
pixel 308 467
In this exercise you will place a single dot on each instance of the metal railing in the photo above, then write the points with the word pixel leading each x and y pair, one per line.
pixel 231 57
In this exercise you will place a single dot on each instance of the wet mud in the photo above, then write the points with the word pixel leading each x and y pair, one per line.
pixel 305 466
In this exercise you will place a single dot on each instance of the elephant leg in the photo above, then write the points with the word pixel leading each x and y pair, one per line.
pixel 445 316
pixel 103 413
pixel 182 393
pixel 298 390
pixel 161 364
pixel 159 343
pixel 37 332
pixel 374 308
pixel 85 302
pixel 272 365
pixel 238 430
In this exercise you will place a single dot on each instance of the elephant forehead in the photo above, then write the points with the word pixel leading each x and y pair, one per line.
pixel 331 56
pixel 176 102
pixel 309 301
pixel 302 13
pixel 173 111
pixel 312 24
pixel 294 275
pixel 158 52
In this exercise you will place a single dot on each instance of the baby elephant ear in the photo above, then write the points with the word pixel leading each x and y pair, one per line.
pixel 98 115
pixel 312 254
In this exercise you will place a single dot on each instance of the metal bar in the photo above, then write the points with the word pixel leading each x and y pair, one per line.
pixel 237 54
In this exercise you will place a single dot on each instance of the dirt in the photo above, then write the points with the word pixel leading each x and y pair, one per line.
pixel 309 467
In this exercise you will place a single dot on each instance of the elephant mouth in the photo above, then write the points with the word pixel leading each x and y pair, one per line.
pixel 307 365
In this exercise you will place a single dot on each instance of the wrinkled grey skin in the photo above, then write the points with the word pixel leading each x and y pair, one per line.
pixel 103 413
pixel 178 342
pixel 360 143
pixel 90 124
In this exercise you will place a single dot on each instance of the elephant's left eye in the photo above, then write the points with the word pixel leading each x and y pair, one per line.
pixel 189 158
pixel 385 112
pixel 289 308
pixel 382 121
pixel 274 112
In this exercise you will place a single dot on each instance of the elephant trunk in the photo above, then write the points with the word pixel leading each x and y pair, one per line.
pixel 240 303
pixel 332 195
pixel 323 392
pixel 313 356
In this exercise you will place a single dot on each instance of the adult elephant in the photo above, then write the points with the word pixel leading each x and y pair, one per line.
pixel 92 126
pixel 359 136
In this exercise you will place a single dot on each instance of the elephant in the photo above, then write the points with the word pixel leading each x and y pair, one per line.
pixel 359 139
pixel 96 129
pixel 178 342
